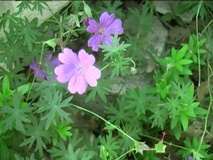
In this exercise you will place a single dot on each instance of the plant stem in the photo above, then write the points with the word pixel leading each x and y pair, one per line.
pixel 88 111
pixel 197 35
pixel 209 109
pixel 125 154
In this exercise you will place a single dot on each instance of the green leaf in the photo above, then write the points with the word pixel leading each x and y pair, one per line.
pixel 103 153
pixel 177 131
pixel 158 117
pixel 200 111
pixel 184 121
pixel 179 20
pixel 4 151
pixel 51 43
pixel 100 90
pixel 179 67
pixel 24 88
pixel 87 10
pixel 160 147
pixel 167 17
pixel 6 87
pixel 28 32
pixel 186 71
pixel 24 5
pixel 111 145
pixel 181 53
pixel 113 7
pixel 16 114
pixel 39 6
pixel 36 135
pixel 185 61
pixel 64 130
pixel 74 149
pixel 174 122
pixel 9 18
pixel 52 107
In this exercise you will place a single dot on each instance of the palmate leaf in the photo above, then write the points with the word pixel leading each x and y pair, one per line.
pixel 36 134
pixel 15 114
pixel 29 32
pixel 111 145
pixel 10 18
pixel 52 107
pixel 24 5
pixel 73 150
pixel 100 89
pixel 158 117
pixel 113 7
pixel 63 129
pixel 118 114
pixel 138 99
pixel 39 6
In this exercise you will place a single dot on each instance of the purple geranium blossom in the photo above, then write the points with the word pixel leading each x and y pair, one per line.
pixel 41 71
pixel 77 70
pixel 190 158
pixel 103 32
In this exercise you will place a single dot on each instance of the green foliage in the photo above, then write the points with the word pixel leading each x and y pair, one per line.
pixel 115 53
pixel 35 133
pixel 113 7
pixel 53 110
pixel 100 91
pixel 38 119
pixel 110 145
pixel 74 150
pixel 63 130
pixel 193 146
pixel 181 106
pixel 177 63
pixel 15 114
pixel 117 113
pixel 175 13
pixel 4 151
pixel 204 11
pixel 143 19
pixel 29 33
pixel 9 18
pixel 196 48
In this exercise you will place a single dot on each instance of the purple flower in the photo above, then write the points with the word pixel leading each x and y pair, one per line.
pixel 77 70
pixel 103 32
pixel 190 158
pixel 42 70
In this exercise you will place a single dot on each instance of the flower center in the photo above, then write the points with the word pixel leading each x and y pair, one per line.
pixel 79 68
pixel 102 31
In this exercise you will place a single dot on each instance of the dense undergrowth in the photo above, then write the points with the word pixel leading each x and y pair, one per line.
pixel 84 85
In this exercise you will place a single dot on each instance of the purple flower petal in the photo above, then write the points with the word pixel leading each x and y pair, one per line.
pixel 48 56
pixel 68 56
pixel 86 59
pixel 79 72
pixel 39 73
pixel 33 65
pixel 55 62
pixel 116 26
pixel 103 31
pixel 94 41
pixel 77 84
pixel 41 70
pixel 107 40
pixel 91 76
pixel 106 19
pixel 64 72
pixel 93 26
